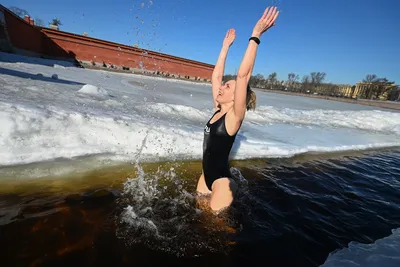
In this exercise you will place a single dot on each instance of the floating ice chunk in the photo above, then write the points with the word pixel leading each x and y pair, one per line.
pixel 383 253
pixel 56 66
pixel 89 89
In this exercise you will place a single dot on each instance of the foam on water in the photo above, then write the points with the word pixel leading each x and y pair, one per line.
pixel 384 252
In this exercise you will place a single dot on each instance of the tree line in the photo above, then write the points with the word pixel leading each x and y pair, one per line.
pixel 314 83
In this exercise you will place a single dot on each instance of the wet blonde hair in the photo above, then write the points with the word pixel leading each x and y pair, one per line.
pixel 251 99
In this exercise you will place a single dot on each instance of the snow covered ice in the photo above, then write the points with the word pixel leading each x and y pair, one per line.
pixel 126 117
pixel 383 253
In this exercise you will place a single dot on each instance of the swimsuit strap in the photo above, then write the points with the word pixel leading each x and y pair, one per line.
pixel 213 115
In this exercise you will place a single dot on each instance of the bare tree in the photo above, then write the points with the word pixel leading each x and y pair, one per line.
pixel 272 79
pixel 292 76
pixel 39 22
pixel 252 81
pixel 367 91
pixel 329 89
pixel 259 80
pixel 382 86
pixel 317 77
pixel 292 79
pixel 262 82
pixel 375 87
pixel 305 83
pixel 19 11
pixel 370 78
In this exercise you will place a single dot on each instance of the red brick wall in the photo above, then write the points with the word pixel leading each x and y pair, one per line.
pixel 22 35
pixel 61 44
pixel 52 49
pixel 91 49
pixel 2 32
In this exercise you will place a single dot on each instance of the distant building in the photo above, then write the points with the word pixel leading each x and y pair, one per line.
pixel 346 90
pixel 373 90
pixel 368 90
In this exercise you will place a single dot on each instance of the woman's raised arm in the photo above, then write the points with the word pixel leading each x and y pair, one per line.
pixel 246 67
pixel 219 68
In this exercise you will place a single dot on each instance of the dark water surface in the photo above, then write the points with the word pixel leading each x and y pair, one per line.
pixel 289 212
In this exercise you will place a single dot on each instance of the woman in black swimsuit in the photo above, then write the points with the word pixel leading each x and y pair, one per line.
pixel 231 100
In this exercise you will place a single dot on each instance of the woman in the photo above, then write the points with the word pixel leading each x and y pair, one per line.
pixel 231 100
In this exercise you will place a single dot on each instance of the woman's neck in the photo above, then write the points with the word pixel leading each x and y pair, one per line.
pixel 226 107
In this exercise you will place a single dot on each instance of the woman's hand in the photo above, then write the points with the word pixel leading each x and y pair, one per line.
pixel 229 38
pixel 266 21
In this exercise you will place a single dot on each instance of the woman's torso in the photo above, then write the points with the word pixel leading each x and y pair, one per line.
pixel 217 144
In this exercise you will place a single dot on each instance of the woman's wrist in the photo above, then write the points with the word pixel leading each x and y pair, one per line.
pixel 255 39
pixel 256 34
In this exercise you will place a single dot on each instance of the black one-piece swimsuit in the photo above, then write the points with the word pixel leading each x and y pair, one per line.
pixel 217 146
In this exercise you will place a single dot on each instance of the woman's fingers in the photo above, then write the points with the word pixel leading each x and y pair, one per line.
pixel 271 15
pixel 231 33
pixel 271 18
pixel 267 20
pixel 271 11
pixel 228 33
pixel 265 13
pixel 276 16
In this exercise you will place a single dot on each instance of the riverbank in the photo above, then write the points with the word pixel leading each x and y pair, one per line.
pixel 145 73
pixel 367 102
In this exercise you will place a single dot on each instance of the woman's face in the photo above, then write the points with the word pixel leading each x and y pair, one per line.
pixel 226 92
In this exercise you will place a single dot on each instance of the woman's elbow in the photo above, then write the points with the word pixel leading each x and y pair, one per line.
pixel 242 75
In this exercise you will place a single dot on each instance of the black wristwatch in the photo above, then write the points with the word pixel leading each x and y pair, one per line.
pixel 255 39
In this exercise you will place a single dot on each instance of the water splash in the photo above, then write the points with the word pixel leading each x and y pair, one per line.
pixel 160 213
